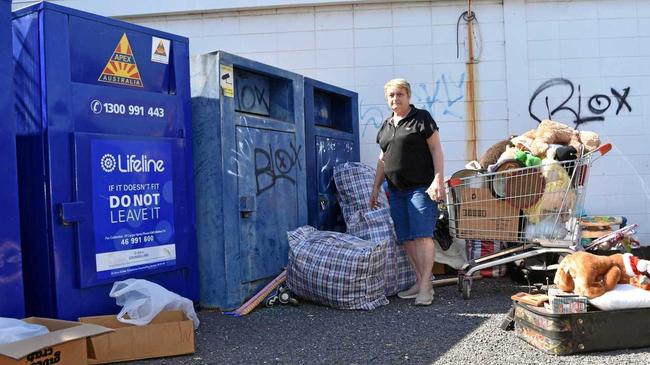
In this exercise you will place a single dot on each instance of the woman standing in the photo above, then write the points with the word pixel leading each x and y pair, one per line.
pixel 411 159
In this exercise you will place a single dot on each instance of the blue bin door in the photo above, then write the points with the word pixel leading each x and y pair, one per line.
pixel 268 191
pixel 128 188
pixel 329 153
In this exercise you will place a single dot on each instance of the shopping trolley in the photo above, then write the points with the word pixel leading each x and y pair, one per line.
pixel 536 209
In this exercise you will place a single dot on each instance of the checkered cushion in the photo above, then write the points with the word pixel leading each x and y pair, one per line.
pixel 336 269
pixel 354 183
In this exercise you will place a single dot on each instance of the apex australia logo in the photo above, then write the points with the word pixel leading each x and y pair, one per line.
pixel 131 163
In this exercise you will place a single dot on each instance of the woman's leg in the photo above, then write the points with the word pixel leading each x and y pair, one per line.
pixel 410 248
pixel 425 254
pixel 422 218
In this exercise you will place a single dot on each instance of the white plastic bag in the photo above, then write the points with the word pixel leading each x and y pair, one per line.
pixel 12 330
pixel 142 300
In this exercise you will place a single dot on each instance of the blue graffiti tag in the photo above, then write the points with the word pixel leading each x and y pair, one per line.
pixel 443 91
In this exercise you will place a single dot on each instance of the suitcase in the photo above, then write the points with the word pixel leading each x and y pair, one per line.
pixel 565 334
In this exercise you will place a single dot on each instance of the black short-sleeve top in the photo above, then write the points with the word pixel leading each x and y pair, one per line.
pixel 407 159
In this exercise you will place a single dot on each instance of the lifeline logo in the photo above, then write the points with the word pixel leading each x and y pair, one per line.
pixel 131 163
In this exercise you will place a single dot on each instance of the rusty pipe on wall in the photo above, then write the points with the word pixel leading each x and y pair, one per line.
pixel 470 90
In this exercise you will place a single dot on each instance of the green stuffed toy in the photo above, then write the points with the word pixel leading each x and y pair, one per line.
pixel 527 158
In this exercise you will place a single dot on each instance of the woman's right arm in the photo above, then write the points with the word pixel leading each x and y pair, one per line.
pixel 379 179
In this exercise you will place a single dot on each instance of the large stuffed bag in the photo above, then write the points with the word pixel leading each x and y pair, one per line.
pixel 336 269
pixel 354 183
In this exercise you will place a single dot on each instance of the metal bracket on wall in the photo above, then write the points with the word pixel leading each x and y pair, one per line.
pixel 246 206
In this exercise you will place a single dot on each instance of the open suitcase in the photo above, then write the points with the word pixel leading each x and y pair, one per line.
pixel 565 334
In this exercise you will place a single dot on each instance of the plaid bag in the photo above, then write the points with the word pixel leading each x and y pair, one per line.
pixel 478 249
pixel 354 183
pixel 336 269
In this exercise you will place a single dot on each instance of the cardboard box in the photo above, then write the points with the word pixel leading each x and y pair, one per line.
pixel 481 216
pixel 438 268
pixel 65 344
pixel 171 333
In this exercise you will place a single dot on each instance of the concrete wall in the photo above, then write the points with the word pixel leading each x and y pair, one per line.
pixel 585 60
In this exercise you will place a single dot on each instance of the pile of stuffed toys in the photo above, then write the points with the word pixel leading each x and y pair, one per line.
pixel 547 146
pixel 592 275
pixel 550 140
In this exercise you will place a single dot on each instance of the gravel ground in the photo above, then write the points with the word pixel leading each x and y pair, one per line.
pixel 451 331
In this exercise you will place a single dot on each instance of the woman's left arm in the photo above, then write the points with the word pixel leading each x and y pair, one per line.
pixel 437 189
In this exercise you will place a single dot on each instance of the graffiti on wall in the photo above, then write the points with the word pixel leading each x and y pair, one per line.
pixel 597 104
pixel 440 99
pixel 273 164
pixel 270 155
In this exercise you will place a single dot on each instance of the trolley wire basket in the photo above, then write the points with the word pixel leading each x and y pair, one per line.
pixel 536 208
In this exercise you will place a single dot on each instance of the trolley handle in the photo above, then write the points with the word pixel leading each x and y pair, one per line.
pixel 602 149
pixel 453 182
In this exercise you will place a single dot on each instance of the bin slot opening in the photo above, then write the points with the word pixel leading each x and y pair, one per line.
pixel 332 110
pixel 263 95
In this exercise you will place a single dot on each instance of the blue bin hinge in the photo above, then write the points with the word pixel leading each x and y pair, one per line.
pixel 246 205
pixel 72 212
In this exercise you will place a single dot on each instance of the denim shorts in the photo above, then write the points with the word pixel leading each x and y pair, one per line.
pixel 413 212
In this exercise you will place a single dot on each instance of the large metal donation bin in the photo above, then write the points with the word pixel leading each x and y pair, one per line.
pixel 105 170
pixel 332 138
pixel 12 303
pixel 249 161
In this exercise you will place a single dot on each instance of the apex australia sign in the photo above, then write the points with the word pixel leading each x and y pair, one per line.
pixel 131 163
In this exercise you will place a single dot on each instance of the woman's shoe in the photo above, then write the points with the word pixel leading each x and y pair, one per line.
pixel 424 297
pixel 409 293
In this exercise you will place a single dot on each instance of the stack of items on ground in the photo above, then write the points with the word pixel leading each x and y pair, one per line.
pixel 353 270
pixel 153 322
pixel 596 303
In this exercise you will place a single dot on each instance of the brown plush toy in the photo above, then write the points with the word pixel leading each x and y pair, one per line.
pixel 592 275
pixel 549 132
pixel 491 156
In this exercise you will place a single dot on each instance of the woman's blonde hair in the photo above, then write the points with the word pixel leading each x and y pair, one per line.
pixel 398 83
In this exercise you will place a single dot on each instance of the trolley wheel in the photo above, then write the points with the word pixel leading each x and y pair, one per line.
pixel 466 288
pixel 284 297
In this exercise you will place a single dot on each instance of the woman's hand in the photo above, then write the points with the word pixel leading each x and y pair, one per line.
pixel 437 190
pixel 374 196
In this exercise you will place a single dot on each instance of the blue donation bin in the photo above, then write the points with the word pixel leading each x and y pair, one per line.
pixel 332 138
pixel 105 169
pixel 12 303
pixel 249 163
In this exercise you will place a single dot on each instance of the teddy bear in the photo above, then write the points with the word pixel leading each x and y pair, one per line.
pixel 592 275
pixel 549 132
pixel 493 153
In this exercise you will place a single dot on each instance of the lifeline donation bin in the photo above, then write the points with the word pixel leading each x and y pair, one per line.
pixel 331 138
pixel 249 161
pixel 12 303
pixel 105 166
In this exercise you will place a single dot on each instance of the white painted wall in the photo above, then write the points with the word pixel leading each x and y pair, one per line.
pixel 360 47
pixel 600 46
